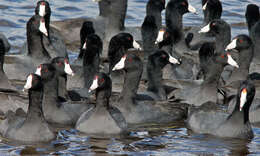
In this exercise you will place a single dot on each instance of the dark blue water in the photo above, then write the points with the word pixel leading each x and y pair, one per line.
pixel 157 139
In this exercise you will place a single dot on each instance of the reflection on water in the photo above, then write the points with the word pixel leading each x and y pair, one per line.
pixel 172 139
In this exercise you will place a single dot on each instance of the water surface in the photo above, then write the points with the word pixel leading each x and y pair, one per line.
pixel 166 140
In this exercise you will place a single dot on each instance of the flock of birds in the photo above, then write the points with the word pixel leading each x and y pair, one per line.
pixel 198 75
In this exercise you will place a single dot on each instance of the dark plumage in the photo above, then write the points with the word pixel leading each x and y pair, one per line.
pixel 234 125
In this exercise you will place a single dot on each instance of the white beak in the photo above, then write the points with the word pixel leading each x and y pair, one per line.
pixel 84 46
pixel 136 45
pixel 38 70
pixel 173 60
pixel 28 83
pixel 94 84
pixel 205 6
pixel 42 28
pixel 231 61
pixel 160 36
pixel 42 11
pixel 192 9
pixel 243 98
pixel 205 29
pixel 232 45
pixel 120 64
pixel 68 69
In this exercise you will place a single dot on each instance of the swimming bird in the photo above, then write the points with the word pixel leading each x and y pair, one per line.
pixel 19 66
pixel 212 9
pixel 11 98
pixel 32 127
pixel 137 109
pixel 53 42
pixel 253 22
pixel 54 110
pixel 90 65
pixel 208 89
pixel 103 118
pixel 234 125
pixel 154 8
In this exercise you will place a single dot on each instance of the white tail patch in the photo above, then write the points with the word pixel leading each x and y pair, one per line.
pixel 242 99
pixel 173 60
pixel 42 27
pixel 120 64
pixel 205 29
pixel 192 9
pixel 94 84
pixel 232 44
pixel 67 68
pixel 28 83
pixel 231 61
pixel 160 36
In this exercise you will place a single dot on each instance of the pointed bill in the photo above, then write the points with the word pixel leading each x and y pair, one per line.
pixel 84 46
pixel 67 68
pixel 38 70
pixel 136 45
pixel 42 11
pixel 192 9
pixel 232 45
pixel 120 64
pixel 205 6
pixel 205 29
pixel 42 27
pixel 160 36
pixel 173 60
pixel 242 99
pixel 94 84
pixel 231 61
pixel 28 83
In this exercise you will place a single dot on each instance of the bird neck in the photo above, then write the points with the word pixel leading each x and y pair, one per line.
pixel 35 105
pixel 131 82
pixel 154 74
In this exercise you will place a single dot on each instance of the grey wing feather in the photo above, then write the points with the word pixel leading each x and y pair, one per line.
pixel 118 117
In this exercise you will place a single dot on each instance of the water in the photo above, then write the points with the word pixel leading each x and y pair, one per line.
pixel 165 140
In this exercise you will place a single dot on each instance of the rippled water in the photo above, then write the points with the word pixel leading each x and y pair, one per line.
pixel 171 139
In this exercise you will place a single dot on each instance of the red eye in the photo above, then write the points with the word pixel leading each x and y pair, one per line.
pixel 59 63
pixel 43 3
pixel 46 70
pixel 240 41
pixel 213 24
pixel 222 56
pixel 183 3
pixel 102 80
pixel 130 59
pixel 163 56
pixel 129 38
